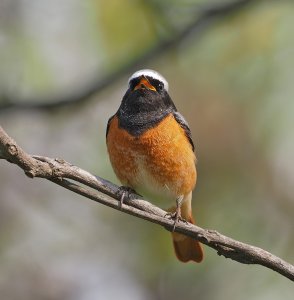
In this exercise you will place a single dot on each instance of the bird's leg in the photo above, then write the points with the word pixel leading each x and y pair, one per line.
pixel 176 215
pixel 178 211
pixel 123 193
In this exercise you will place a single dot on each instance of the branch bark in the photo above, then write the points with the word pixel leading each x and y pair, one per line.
pixel 105 192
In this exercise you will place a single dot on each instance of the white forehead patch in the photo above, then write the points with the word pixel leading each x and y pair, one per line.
pixel 152 74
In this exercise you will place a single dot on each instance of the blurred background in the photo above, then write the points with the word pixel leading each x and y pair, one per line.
pixel 64 69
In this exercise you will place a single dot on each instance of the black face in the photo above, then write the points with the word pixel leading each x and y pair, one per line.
pixel 157 84
pixel 144 108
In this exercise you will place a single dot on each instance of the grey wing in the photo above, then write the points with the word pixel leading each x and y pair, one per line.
pixel 184 124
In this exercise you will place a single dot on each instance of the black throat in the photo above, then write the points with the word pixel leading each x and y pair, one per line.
pixel 143 109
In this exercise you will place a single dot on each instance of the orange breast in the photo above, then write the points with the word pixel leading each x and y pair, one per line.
pixel 160 160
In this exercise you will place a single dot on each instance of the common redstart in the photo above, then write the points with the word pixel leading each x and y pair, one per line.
pixel 151 151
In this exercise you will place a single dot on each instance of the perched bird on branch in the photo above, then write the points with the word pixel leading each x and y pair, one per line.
pixel 151 151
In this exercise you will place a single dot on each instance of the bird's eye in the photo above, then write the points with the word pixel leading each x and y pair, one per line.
pixel 133 83
pixel 160 86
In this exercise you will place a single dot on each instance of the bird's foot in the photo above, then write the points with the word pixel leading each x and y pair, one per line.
pixel 176 216
pixel 123 193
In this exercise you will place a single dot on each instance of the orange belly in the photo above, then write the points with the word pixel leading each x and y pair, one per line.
pixel 159 163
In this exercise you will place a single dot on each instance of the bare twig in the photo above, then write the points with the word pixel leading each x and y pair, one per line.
pixel 203 19
pixel 105 192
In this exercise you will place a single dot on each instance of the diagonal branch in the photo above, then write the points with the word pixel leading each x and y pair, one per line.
pixel 203 19
pixel 105 192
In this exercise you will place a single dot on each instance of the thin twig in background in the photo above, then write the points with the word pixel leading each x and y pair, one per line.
pixel 105 192
pixel 203 19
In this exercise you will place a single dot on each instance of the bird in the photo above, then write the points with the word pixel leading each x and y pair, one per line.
pixel 151 151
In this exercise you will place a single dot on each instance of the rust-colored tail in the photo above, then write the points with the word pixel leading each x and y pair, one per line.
pixel 187 248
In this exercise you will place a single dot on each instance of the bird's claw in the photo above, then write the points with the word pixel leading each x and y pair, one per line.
pixel 176 216
pixel 123 193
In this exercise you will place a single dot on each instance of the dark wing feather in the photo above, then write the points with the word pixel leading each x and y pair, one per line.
pixel 184 124
pixel 108 124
